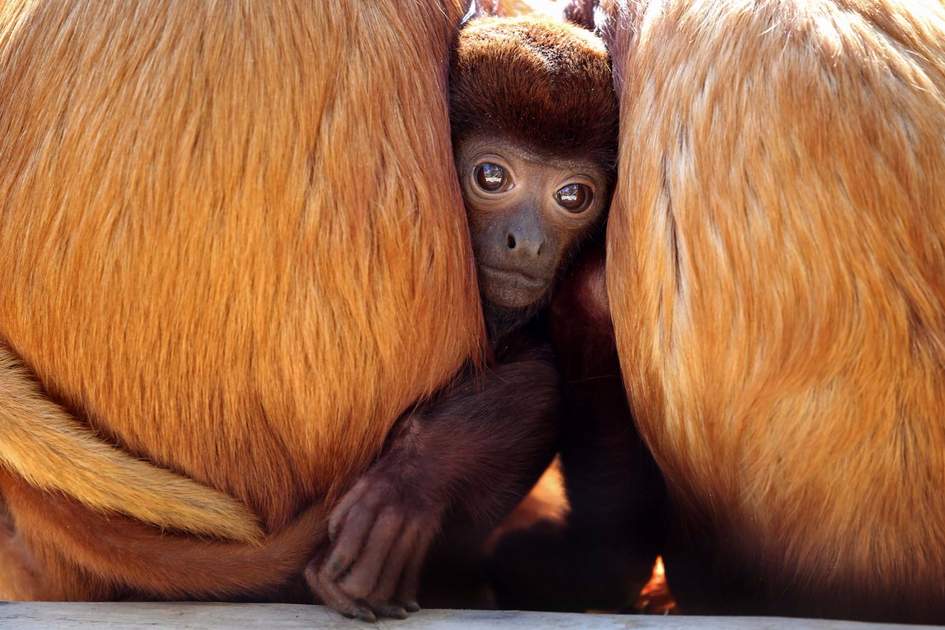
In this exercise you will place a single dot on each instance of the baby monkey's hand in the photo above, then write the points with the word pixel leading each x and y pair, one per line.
pixel 379 536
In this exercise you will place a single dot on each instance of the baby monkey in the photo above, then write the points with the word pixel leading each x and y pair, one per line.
pixel 534 120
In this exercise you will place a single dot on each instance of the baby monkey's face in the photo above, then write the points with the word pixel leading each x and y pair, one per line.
pixel 526 212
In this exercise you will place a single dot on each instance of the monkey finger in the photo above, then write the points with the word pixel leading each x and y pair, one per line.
pixel 410 581
pixel 393 611
pixel 351 538
pixel 363 575
pixel 349 500
pixel 394 567
pixel 332 596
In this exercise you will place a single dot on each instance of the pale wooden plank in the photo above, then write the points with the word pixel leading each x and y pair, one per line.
pixel 206 616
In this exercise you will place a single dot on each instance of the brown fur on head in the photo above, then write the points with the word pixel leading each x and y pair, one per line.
pixel 544 83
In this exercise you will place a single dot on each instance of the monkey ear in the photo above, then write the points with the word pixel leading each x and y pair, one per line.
pixel 482 8
pixel 581 13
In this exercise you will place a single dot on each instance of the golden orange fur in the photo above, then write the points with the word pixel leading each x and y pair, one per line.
pixel 233 245
pixel 777 278
pixel 51 450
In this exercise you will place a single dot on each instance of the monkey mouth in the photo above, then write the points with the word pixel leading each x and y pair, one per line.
pixel 514 278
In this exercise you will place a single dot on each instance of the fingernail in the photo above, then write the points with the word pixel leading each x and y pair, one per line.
pixel 366 615
pixel 395 612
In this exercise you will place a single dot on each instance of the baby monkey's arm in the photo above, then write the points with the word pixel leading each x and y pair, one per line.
pixel 479 446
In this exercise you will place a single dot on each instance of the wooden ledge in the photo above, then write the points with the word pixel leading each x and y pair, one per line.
pixel 206 616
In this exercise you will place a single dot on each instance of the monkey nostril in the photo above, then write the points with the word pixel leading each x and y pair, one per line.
pixel 510 241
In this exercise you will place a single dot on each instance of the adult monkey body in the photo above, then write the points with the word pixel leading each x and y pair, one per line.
pixel 221 274
pixel 177 566
pixel 776 275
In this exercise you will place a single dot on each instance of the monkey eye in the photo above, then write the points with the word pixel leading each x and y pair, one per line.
pixel 574 197
pixel 490 177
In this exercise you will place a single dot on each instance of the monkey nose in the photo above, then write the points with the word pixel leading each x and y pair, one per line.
pixel 521 245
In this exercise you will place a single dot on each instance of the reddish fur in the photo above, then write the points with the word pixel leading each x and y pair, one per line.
pixel 581 12
pixel 117 556
pixel 49 448
pixel 777 280
pixel 461 461
pixel 543 83
pixel 546 501
pixel 456 465
pixel 602 553
pixel 217 252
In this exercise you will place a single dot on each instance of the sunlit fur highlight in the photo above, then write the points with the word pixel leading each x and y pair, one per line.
pixel 232 244
pixel 777 278
pixel 52 451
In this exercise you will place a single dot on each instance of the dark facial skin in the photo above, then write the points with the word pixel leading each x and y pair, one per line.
pixel 526 212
